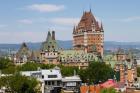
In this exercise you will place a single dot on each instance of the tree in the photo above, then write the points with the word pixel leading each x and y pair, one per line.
pixel 99 72
pixel 83 75
pixel 7 66
pixel 19 84
pixel 29 67
pixel 96 72
pixel 138 71
pixel 68 71
pixel 110 90
pixel 5 63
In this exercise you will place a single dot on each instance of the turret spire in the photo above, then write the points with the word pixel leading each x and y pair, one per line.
pixel 102 29
pixel 48 36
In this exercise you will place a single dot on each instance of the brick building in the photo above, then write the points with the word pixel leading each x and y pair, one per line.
pixel 88 33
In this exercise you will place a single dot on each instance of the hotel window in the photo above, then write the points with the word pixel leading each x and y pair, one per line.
pixel 52 82
pixel 49 83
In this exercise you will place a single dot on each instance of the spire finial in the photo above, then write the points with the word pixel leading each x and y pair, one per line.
pixel 90 8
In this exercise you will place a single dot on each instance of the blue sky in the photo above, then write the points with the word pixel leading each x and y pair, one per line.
pixel 29 20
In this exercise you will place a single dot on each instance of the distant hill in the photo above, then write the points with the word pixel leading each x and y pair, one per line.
pixel 126 45
pixel 68 44
pixel 34 46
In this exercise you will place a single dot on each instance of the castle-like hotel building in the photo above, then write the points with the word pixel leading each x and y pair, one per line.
pixel 88 33
pixel 88 39
pixel 88 46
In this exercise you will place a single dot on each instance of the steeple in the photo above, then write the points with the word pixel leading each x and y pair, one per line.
pixel 48 36
pixel 24 50
pixel 53 35
pixel 102 29
pixel 50 44
pixel 74 29
pixel 90 9
pixel 24 46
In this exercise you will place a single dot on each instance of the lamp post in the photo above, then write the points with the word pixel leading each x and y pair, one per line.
pixel 88 86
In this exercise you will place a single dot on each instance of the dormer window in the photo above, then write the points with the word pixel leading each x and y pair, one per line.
pixel 52 76
pixel 42 76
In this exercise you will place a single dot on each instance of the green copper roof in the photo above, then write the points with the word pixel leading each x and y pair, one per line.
pixel 24 50
pixel 77 55
pixel 49 44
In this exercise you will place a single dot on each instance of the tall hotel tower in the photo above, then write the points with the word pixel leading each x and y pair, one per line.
pixel 88 35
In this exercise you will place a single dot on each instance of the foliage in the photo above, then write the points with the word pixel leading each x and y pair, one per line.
pixel 46 66
pixel 96 72
pixel 9 70
pixel 83 75
pixel 19 84
pixel 7 66
pixel 138 71
pixel 68 71
pixel 30 66
pixel 5 63
pixel 110 90
pixel 99 72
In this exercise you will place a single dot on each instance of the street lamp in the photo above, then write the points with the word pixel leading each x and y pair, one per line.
pixel 88 86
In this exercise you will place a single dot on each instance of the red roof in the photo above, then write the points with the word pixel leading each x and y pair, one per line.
pixel 87 22
pixel 108 84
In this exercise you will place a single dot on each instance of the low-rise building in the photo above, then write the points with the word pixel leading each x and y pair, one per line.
pixel 52 81
pixel 71 83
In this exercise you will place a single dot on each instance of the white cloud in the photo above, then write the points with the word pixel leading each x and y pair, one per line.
pixel 133 18
pixel 65 21
pixel 22 36
pixel 33 36
pixel 25 21
pixel 46 7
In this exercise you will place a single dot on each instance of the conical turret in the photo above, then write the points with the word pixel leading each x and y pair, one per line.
pixel 48 36
pixel 102 29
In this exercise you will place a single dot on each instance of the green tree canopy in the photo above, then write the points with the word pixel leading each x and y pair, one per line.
pixel 19 84
pixel 96 72
pixel 7 66
pixel 5 63
pixel 68 71
pixel 110 90
pixel 138 71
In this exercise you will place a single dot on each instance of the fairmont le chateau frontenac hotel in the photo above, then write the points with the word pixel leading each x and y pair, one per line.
pixel 88 46
pixel 88 39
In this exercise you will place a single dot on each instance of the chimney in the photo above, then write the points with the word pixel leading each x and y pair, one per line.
pixel 53 35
